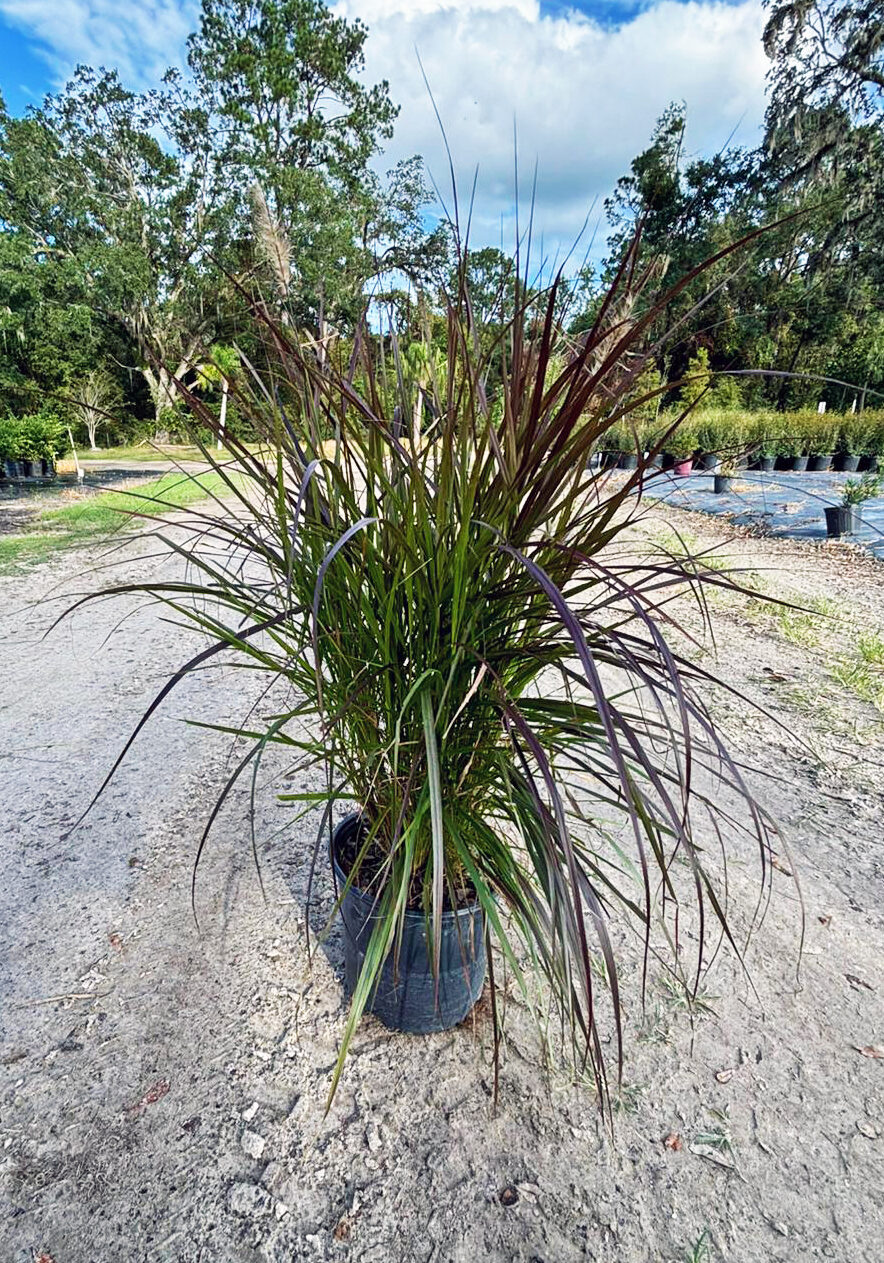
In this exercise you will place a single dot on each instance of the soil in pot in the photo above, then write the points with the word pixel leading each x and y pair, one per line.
pixel 846 463
pixel 723 482
pixel 408 997
pixel 819 463
pixel 841 520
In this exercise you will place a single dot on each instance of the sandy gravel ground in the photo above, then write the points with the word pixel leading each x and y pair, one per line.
pixel 162 1090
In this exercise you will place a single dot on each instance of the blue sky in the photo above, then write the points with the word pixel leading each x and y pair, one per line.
pixel 24 73
pixel 584 81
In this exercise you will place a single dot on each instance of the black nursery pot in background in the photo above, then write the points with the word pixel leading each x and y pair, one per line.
pixel 846 463
pixel 797 464
pixel 709 461
pixel 408 997
pixel 841 520
pixel 723 482
pixel 627 460
pixel 819 463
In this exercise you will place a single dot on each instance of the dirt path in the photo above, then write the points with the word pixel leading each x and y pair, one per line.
pixel 162 1090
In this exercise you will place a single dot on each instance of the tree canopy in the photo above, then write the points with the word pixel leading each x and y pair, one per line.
pixel 136 228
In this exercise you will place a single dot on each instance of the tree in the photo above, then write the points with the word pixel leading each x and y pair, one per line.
pixel 698 380
pixel 50 336
pixel 151 213
pixel 223 365
pixel 825 52
pixel 123 192
pixel 96 402
pixel 280 81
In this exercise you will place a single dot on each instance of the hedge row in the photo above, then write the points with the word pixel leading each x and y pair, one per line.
pixel 36 437
pixel 806 433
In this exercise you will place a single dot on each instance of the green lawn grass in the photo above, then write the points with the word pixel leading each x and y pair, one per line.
pixel 141 451
pixel 102 514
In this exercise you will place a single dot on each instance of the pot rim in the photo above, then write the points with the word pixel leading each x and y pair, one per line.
pixel 411 914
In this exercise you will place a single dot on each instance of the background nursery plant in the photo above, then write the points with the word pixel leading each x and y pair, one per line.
pixel 474 656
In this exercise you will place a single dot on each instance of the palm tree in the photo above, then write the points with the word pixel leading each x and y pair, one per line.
pixel 222 365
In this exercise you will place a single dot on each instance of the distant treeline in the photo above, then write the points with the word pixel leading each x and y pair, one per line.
pixel 138 231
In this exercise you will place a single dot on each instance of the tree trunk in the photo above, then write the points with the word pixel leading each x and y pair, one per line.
pixel 163 393
pixel 417 419
pixel 223 419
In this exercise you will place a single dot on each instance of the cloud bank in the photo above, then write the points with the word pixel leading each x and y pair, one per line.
pixel 583 96
pixel 583 93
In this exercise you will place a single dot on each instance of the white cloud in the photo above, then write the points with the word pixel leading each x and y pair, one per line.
pixel 584 95
pixel 141 39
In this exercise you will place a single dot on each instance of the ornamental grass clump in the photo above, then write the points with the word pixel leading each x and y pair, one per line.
pixel 478 660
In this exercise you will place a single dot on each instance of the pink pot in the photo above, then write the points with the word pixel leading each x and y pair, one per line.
pixel 682 468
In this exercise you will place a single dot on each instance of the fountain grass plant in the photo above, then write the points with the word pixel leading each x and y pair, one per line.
pixel 478 659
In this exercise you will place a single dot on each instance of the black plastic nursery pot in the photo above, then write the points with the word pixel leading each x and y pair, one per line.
pixel 627 460
pixel 408 997
pixel 723 482
pixel 846 464
pixel 869 464
pixel 819 463
pixel 709 461
pixel 766 463
pixel 840 520
pixel 797 464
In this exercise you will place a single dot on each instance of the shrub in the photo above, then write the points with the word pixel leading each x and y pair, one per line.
pixel 722 431
pixel 683 442
pixel 621 438
pixel 792 436
pixel 42 436
pixel 8 438
pixel 820 430
pixel 39 436
pixel 857 435
pixel 763 432
pixel 875 434
pixel 858 490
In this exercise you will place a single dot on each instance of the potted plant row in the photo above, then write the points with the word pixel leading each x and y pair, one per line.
pixel 29 445
pixel 791 441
